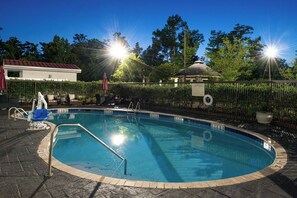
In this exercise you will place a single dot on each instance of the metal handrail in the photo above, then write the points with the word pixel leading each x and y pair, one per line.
pixel 21 111
pixel 16 109
pixel 131 105
pixel 88 132
pixel 137 106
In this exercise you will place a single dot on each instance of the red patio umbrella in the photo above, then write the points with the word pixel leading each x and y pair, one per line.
pixel 2 79
pixel 104 83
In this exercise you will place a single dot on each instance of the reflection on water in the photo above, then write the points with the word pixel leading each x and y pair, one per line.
pixel 71 132
pixel 159 149
pixel 117 139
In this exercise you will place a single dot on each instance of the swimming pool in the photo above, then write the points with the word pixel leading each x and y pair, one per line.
pixel 159 148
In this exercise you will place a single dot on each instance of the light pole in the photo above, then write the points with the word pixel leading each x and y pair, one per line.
pixel 185 57
pixel 118 51
pixel 271 53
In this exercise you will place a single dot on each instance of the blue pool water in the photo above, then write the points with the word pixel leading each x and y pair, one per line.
pixel 157 149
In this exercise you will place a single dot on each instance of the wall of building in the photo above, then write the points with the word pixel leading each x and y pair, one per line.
pixel 49 75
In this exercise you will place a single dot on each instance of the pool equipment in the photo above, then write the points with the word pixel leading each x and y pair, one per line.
pixel 37 116
pixel 207 100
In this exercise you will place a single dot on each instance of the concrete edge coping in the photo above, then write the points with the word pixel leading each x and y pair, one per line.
pixel 279 162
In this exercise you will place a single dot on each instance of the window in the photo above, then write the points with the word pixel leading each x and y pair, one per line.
pixel 13 73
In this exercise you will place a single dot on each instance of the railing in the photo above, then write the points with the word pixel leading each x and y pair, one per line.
pixel 16 109
pixel 238 99
pixel 88 132
pixel 131 106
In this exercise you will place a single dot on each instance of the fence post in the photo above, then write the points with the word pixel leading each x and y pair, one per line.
pixel 35 88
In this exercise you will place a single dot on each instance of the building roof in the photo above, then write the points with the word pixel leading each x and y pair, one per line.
pixel 198 69
pixel 39 64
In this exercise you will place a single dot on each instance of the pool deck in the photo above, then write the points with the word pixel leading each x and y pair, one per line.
pixel 22 170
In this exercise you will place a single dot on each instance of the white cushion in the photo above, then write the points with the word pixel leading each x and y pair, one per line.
pixel 50 97
pixel 71 96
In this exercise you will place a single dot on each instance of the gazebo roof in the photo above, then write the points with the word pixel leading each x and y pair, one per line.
pixel 198 69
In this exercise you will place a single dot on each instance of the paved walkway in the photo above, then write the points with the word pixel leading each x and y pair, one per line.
pixel 22 171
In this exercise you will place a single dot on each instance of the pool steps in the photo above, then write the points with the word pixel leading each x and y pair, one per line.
pixel 55 131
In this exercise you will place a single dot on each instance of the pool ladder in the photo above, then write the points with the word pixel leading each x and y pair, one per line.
pixel 16 109
pixel 88 132
pixel 131 108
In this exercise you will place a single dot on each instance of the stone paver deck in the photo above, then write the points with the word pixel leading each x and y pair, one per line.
pixel 22 170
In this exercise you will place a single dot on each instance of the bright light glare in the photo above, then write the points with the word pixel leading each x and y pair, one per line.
pixel 118 51
pixel 271 51
pixel 118 139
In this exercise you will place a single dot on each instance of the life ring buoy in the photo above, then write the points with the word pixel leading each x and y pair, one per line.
pixel 208 100
pixel 207 136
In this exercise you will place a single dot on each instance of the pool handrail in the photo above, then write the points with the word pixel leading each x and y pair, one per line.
pixel 131 106
pixel 20 110
pixel 88 132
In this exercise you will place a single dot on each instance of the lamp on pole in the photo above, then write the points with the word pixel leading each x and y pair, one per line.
pixel 271 53
pixel 185 56
pixel 118 51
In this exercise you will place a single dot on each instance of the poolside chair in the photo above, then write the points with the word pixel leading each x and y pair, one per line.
pixel 99 99
pixel 37 121
pixel 51 100
pixel 71 100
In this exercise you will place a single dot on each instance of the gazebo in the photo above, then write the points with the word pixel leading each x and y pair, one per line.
pixel 198 72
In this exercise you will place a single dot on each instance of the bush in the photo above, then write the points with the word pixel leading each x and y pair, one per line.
pixel 232 98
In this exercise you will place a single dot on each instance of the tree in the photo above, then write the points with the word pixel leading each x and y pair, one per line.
pixel 2 50
pixel 215 41
pixel 30 51
pixel 79 39
pixel 12 48
pixel 168 43
pixel 131 69
pixel 137 49
pixel 287 73
pixel 15 49
pixel 89 57
pixel 163 72
pixel 151 56
pixel 58 51
pixel 242 33
pixel 117 37
pixel 0 36
pixel 239 32
pixel 92 56
pixel 294 68
pixel 232 60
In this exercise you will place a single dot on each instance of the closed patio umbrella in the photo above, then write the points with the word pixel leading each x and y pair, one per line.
pixel 2 79
pixel 104 83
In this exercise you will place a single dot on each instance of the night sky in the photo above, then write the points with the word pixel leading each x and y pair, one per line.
pixel 39 20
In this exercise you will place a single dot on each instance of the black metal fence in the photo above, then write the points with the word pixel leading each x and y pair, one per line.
pixel 242 99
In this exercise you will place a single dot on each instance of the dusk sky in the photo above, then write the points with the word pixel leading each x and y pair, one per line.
pixel 39 20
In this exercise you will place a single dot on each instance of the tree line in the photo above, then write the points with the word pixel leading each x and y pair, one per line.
pixel 236 55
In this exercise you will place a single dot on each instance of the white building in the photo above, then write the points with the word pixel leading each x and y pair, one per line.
pixel 31 70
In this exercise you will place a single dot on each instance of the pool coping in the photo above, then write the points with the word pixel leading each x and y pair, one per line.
pixel 279 162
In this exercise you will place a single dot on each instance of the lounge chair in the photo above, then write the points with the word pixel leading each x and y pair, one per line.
pixel 99 99
pixel 72 100
pixel 51 100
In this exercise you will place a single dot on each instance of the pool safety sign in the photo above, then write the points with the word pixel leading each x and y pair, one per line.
pixel 198 89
